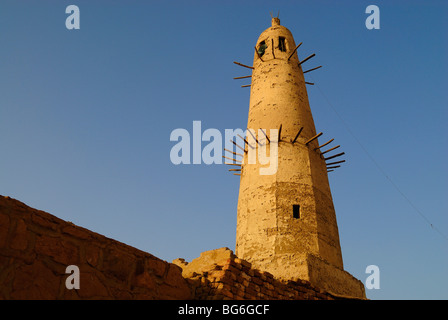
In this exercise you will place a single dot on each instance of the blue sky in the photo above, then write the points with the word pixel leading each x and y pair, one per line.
pixel 86 117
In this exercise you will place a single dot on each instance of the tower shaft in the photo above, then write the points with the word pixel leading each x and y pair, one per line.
pixel 286 216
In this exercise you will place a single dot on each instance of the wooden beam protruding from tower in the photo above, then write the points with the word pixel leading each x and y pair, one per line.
pixel 254 137
pixel 246 142
pixel 314 138
pixel 266 135
pixel 294 50
pixel 312 69
pixel 336 155
pixel 235 153
pixel 259 56
pixel 237 145
pixel 297 135
pixel 307 58
pixel 333 167
pixel 246 85
pixel 243 65
pixel 232 164
pixel 331 149
pixel 328 142
pixel 310 83
pixel 331 163
pixel 231 159
pixel 242 77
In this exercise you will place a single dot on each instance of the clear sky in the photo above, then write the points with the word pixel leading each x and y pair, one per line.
pixel 86 117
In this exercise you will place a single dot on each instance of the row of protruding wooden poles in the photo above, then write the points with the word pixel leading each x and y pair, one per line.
pixel 330 165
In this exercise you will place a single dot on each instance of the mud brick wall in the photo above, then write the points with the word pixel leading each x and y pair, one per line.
pixel 36 248
pixel 220 275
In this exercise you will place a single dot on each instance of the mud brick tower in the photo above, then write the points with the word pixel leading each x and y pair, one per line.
pixel 286 221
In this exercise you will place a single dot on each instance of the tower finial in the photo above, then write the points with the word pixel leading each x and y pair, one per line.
pixel 274 20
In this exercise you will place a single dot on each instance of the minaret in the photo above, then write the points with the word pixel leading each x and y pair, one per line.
pixel 286 221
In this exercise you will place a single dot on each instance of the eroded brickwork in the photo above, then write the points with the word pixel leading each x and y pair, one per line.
pixel 220 275
pixel 36 248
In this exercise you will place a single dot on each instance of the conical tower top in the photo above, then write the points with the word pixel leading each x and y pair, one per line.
pixel 275 21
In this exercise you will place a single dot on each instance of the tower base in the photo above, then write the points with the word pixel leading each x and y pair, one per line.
pixel 219 274
pixel 320 273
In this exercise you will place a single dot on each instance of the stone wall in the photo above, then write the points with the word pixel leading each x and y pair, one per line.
pixel 36 248
pixel 220 275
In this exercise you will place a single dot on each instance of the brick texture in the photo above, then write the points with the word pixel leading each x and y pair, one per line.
pixel 36 247
pixel 235 279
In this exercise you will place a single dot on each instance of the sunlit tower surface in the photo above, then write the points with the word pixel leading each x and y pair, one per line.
pixel 286 221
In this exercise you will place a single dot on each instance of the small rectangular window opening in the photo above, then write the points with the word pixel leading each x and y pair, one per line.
pixel 282 44
pixel 296 211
